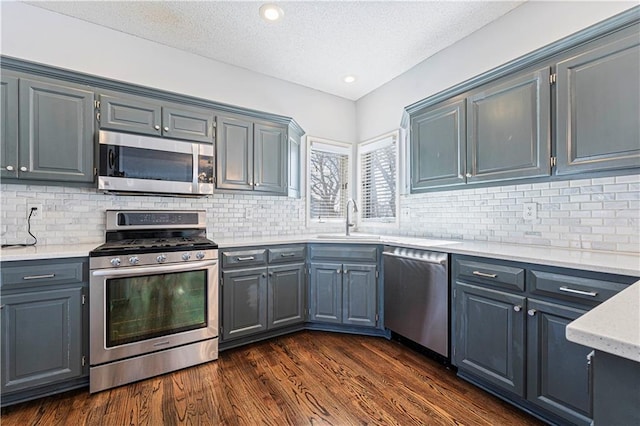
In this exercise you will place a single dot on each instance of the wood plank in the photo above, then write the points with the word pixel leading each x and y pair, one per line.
pixel 305 378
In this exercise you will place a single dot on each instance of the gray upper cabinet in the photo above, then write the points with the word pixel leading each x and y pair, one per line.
pixel 55 131
pixel 251 156
pixel 270 158
pixel 598 105
pixel 508 128
pixel 234 153
pixel 294 147
pixel 438 145
pixel 136 114
pixel 8 126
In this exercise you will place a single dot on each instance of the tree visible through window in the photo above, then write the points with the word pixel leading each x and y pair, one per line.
pixel 328 177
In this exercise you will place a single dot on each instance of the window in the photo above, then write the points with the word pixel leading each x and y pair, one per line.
pixel 378 180
pixel 329 171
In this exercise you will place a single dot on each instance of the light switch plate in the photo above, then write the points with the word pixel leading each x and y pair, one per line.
pixel 530 211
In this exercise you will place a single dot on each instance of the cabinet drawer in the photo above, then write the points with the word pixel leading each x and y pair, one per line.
pixel 286 254
pixel 241 258
pixel 575 289
pixel 490 274
pixel 49 272
pixel 344 253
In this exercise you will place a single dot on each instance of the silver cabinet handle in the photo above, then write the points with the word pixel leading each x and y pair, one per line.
pixel 157 127
pixel 256 184
pixel 264 275
pixel 166 129
pixel 468 175
pixel 287 254
pixel 485 275
pixel 23 169
pixel 517 308
pixel 338 271
pixel 531 312
pixel 270 274
pixel 244 259
pixel 581 292
pixel 38 277
pixel 1 306
pixel 9 168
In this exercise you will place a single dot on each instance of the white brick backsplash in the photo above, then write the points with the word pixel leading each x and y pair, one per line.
pixel 593 214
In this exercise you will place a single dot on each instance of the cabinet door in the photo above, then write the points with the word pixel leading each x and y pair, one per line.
pixel 295 158
pixel 325 304
pixel 41 338
pixel 489 336
pixel 286 295
pixel 438 146
pixel 234 153
pixel 508 129
pixel 56 132
pixel 598 106
pixel 244 302
pixel 557 375
pixel 270 159
pixel 8 127
pixel 193 124
pixel 130 114
pixel 359 295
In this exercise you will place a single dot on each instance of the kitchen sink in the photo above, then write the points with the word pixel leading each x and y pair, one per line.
pixel 354 237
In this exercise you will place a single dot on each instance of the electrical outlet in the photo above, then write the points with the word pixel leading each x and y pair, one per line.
pixel 530 211
pixel 37 213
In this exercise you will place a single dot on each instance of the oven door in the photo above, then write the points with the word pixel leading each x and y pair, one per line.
pixel 136 163
pixel 140 310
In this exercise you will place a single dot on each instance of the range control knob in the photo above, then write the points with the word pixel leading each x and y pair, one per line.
pixel 199 255
pixel 161 258
pixel 186 256
pixel 115 261
pixel 134 260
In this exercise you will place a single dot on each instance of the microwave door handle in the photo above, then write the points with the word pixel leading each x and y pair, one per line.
pixel 195 168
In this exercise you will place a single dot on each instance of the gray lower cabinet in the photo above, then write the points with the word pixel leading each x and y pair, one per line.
pixel 553 381
pixel 439 145
pixel 616 390
pixel 251 156
pixel 508 128
pixel 44 328
pixel 136 114
pixel 344 293
pixel 598 105
pixel 509 322
pixel 46 129
pixel 490 335
pixel 262 289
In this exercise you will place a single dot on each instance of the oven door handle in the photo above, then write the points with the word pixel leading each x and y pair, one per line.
pixel 152 269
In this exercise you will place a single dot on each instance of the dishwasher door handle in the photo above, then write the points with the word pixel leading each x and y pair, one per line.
pixel 418 259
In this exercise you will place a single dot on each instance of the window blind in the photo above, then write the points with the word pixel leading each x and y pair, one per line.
pixel 378 182
pixel 328 174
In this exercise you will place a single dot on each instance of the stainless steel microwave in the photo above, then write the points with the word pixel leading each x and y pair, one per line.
pixel 147 164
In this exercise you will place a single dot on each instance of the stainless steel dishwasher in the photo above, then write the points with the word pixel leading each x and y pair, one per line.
pixel 416 296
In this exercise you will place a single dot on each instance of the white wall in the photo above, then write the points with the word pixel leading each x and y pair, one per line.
pixel 527 28
pixel 46 37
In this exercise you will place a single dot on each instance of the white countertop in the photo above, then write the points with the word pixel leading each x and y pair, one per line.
pixel 598 261
pixel 613 326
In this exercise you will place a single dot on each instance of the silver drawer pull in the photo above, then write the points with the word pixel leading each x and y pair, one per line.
pixel 244 259
pixel 38 277
pixel 287 254
pixel 482 274
pixel 165 342
pixel 581 292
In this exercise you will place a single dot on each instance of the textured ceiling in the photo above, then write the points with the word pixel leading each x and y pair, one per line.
pixel 316 44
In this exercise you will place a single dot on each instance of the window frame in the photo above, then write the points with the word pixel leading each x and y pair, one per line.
pixel 328 146
pixel 370 145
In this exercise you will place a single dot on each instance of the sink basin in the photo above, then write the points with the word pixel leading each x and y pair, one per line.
pixel 355 237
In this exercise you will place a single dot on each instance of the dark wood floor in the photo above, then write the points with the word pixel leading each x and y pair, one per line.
pixel 302 379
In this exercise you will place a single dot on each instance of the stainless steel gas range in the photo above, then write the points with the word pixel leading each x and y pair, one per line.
pixel 153 301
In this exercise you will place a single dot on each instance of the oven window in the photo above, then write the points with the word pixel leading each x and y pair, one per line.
pixel 140 308
pixel 140 163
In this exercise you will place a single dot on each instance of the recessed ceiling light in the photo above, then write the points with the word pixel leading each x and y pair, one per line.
pixel 271 12
pixel 349 79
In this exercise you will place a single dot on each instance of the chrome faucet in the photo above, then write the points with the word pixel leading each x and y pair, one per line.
pixel 355 210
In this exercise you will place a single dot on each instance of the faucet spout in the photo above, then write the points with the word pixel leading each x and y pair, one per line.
pixel 348 221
